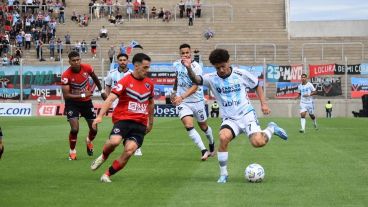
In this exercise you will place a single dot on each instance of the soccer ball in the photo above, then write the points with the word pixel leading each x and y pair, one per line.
pixel 254 173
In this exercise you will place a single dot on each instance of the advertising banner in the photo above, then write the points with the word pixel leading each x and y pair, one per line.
pixel 327 86
pixel 324 69
pixel 359 87
pixel 284 73
pixel 37 81
pixel 15 109
pixel 286 90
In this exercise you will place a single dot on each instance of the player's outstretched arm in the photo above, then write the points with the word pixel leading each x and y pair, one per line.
pixel 105 107
pixel 98 84
pixel 193 77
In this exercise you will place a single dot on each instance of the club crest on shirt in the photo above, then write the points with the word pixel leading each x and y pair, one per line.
pixel 85 75
pixel 131 85
pixel 148 86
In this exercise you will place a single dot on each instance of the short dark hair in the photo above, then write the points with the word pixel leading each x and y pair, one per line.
pixel 304 75
pixel 73 54
pixel 219 56
pixel 139 57
pixel 122 55
pixel 185 45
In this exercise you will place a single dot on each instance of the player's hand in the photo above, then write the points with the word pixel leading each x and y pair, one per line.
pixel 265 109
pixel 88 93
pixel 177 100
pixel 187 62
pixel 172 97
pixel 95 122
pixel 103 96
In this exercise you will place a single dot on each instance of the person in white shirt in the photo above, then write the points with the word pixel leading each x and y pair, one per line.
pixel 306 91
pixel 189 99
pixel 229 86
pixel 104 33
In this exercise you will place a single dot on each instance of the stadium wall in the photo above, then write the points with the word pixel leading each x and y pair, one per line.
pixel 353 28
pixel 280 108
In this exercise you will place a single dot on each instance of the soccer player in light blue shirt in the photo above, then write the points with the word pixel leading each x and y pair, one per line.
pixel 188 97
pixel 229 88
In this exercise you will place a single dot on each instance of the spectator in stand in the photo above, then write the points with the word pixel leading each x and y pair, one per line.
pixel 191 16
pixel 52 48
pixel 129 8
pixel 104 33
pixel 61 15
pixel 19 39
pixel 143 7
pixel 97 7
pixel 111 53
pixel 28 38
pixel 94 48
pixel 60 49
pixel 84 46
pixel 67 41
pixel 188 6
pixel 136 6
pixel 77 46
pixel 153 12
pixel 181 5
pixel 119 18
pixel 161 13
pixel 198 8
pixel 167 16
pixel 5 60
pixel 74 16
pixel 17 56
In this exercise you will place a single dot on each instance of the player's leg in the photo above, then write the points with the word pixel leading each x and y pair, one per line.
pixel 91 136
pixel 108 148
pixel 133 141
pixel 186 116
pixel 118 164
pixel 201 116
pixel 87 111
pixel 225 136
pixel 211 142
pixel 303 113
pixel 312 116
pixel 119 130
pixel 73 136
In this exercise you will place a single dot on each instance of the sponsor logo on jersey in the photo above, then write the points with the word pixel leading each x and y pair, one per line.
pixel 228 89
pixel 137 107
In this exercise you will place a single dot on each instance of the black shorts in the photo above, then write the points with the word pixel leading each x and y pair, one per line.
pixel 74 109
pixel 130 130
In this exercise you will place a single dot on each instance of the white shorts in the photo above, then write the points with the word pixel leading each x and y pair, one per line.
pixel 248 124
pixel 307 108
pixel 197 110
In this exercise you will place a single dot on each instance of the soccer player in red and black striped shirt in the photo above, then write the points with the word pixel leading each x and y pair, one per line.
pixel 77 94
pixel 132 117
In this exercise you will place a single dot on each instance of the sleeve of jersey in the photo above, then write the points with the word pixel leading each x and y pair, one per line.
pixel 198 70
pixel 89 69
pixel 119 88
pixel 108 80
pixel 205 80
pixel 64 79
pixel 249 79
pixel 312 87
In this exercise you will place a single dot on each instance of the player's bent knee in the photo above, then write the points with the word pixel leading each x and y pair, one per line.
pixel 258 140
pixel 74 131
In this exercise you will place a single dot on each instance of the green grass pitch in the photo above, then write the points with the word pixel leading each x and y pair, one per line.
pixel 323 168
